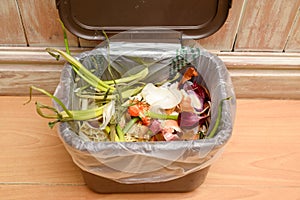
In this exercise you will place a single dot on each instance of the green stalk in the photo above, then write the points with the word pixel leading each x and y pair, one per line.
pixel 113 135
pixel 65 115
pixel 120 133
pixel 39 108
pixel 66 41
pixel 79 115
pixel 126 94
pixel 108 57
pixel 89 81
pixel 130 124
pixel 140 75
pixel 83 72
pixel 131 92
pixel 216 126
pixel 161 116
pixel 82 115
pixel 69 114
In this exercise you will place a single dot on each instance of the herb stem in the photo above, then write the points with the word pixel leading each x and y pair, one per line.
pixel 130 124
pixel 140 75
pixel 216 126
pixel 120 133
pixel 161 116
pixel 82 71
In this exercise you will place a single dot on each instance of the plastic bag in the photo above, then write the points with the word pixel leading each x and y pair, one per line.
pixel 149 162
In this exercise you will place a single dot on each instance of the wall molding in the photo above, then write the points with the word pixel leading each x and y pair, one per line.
pixel 254 74
pixel 264 75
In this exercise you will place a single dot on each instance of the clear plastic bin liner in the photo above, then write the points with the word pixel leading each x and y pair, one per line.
pixel 149 162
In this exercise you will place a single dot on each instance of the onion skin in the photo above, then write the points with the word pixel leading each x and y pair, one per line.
pixel 189 119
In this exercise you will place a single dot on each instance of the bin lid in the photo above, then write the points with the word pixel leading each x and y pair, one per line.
pixel 194 18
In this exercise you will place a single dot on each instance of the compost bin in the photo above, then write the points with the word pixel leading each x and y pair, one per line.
pixel 159 32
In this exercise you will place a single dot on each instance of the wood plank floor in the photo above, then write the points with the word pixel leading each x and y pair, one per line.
pixel 261 161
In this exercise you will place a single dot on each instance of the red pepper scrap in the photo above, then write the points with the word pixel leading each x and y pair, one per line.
pixel 138 109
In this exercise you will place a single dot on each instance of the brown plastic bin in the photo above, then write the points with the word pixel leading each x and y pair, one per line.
pixel 184 184
pixel 192 19
pixel 180 166
pixel 195 18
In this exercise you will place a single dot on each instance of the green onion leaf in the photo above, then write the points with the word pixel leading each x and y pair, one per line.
pixel 216 126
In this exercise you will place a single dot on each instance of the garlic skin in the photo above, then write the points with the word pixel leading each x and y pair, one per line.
pixel 108 111
pixel 163 97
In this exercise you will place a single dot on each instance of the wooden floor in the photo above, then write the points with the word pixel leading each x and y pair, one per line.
pixel 261 161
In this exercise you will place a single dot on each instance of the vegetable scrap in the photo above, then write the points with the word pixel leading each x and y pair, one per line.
pixel 167 113
pixel 130 110
pixel 176 110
